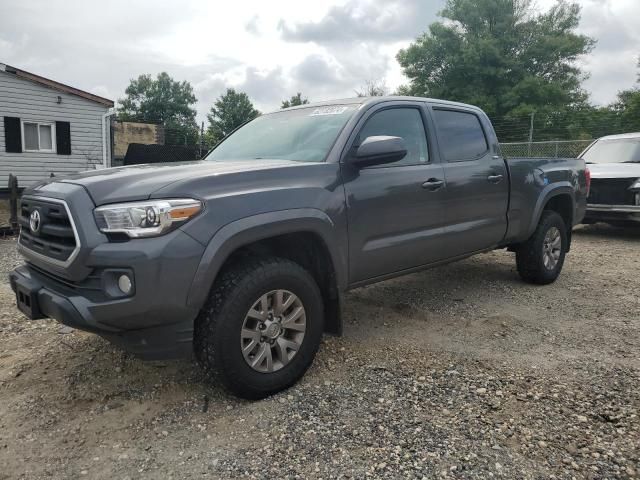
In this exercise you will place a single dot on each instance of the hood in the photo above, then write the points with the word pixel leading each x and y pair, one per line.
pixel 614 170
pixel 139 182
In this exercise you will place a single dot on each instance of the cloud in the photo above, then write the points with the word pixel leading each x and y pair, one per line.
pixel 613 63
pixel 357 41
pixel 315 70
pixel 270 50
pixel 263 87
pixel 369 21
pixel 98 53
pixel 253 25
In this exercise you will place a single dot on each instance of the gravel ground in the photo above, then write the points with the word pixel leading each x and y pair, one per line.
pixel 458 372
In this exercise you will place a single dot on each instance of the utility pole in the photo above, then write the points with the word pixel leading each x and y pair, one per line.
pixel 533 115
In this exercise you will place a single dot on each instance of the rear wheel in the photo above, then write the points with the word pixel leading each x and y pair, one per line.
pixel 540 259
pixel 261 327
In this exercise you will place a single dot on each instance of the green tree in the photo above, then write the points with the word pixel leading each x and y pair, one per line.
pixel 231 110
pixel 162 100
pixel 628 107
pixel 294 101
pixel 502 56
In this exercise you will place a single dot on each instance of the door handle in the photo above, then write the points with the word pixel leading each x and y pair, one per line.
pixel 495 178
pixel 433 184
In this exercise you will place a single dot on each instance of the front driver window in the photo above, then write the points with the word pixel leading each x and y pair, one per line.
pixel 400 122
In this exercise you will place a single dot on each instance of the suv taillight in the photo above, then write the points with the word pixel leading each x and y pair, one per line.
pixel 587 177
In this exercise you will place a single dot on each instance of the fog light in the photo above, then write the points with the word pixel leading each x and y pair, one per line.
pixel 124 284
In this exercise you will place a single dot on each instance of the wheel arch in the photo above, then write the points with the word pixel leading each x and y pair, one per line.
pixel 557 197
pixel 306 236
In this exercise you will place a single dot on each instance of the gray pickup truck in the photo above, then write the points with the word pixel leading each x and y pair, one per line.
pixel 242 258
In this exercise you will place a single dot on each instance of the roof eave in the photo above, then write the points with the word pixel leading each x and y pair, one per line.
pixel 56 85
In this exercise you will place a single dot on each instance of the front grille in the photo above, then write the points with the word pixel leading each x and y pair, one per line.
pixel 612 191
pixel 92 282
pixel 54 237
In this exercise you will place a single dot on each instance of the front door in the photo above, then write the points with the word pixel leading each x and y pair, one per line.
pixel 477 183
pixel 395 211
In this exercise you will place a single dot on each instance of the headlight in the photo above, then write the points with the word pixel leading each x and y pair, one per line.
pixel 146 219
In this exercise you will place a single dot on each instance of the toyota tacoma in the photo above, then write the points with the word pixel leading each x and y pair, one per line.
pixel 243 258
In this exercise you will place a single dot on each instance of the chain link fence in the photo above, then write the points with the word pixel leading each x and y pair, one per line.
pixel 140 142
pixel 552 149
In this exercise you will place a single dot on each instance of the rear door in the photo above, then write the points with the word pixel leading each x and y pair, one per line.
pixel 477 193
pixel 394 210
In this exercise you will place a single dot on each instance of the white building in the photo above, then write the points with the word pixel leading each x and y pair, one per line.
pixel 49 128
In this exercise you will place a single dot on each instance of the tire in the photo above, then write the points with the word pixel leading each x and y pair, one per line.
pixel 235 302
pixel 530 256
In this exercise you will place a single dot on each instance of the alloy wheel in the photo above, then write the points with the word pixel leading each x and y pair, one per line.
pixel 551 248
pixel 273 331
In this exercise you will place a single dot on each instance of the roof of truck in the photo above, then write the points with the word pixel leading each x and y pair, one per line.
pixel 621 137
pixel 374 100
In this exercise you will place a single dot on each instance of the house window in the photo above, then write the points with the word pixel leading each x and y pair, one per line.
pixel 38 137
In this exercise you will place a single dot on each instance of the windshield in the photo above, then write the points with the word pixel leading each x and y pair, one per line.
pixel 304 135
pixel 614 151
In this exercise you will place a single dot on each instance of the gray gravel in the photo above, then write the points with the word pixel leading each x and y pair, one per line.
pixel 458 372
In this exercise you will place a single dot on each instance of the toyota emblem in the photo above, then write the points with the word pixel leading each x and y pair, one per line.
pixel 34 221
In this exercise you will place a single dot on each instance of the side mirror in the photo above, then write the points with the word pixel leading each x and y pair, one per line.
pixel 379 150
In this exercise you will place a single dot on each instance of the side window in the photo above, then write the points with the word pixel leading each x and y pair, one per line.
pixel 400 122
pixel 460 135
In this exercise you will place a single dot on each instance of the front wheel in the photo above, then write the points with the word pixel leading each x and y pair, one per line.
pixel 540 259
pixel 261 328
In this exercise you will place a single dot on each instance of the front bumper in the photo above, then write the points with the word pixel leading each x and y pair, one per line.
pixel 154 322
pixel 608 213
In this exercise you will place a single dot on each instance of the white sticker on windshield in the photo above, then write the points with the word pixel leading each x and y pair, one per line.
pixel 333 110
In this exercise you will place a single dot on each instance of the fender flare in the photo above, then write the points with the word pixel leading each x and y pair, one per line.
pixel 550 191
pixel 259 227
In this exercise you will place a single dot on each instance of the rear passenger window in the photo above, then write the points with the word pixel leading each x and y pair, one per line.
pixel 460 135
pixel 400 122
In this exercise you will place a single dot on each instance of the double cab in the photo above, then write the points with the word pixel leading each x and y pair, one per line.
pixel 243 258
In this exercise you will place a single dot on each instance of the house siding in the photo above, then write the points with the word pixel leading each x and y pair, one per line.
pixel 33 102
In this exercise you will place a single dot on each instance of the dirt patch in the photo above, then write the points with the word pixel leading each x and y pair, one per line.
pixel 458 372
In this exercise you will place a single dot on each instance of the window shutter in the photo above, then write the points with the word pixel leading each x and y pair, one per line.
pixel 63 138
pixel 12 135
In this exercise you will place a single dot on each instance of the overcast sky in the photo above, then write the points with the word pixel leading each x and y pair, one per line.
pixel 270 49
